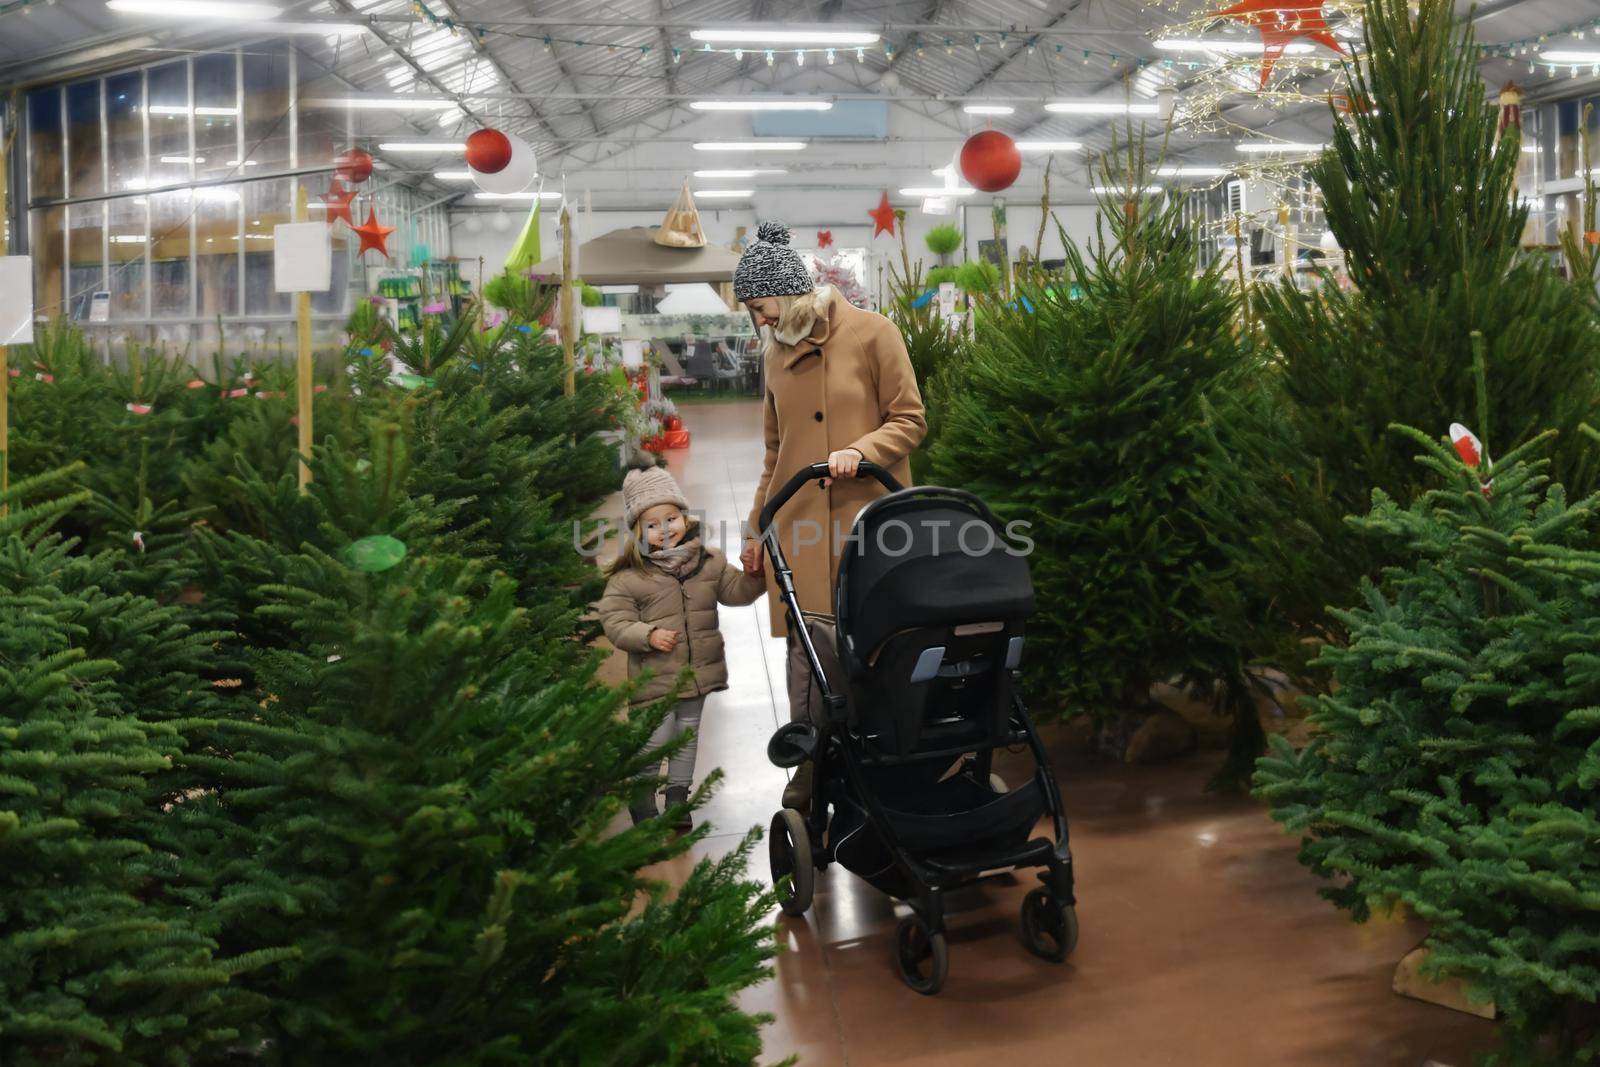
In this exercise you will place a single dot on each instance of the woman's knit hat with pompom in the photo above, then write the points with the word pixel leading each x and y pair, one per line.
pixel 769 267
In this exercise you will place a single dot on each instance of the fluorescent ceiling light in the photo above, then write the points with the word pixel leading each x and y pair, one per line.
pixel 1192 172
pixel 424 147
pixel 1559 56
pixel 549 194
pixel 936 191
pixel 195 9
pixel 762 105
pixel 1049 146
pixel 246 163
pixel 1220 44
pixel 749 172
pixel 989 109
pixel 453 175
pixel 1109 190
pixel 785 37
pixel 724 194
pixel 319 29
pixel 183 159
pixel 385 103
pixel 127 239
pixel 1100 107
pixel 749 146
pixel 1257 148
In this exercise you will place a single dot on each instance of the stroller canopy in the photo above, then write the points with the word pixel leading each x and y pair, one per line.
pixel 929 561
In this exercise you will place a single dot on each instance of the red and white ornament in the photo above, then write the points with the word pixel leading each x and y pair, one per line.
pixel 991 161
pixel 488 151
pixel 1471 451
pixel 515 176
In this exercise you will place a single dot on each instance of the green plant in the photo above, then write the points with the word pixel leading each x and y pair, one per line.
pixel 520 297
pixel 591 297
pixel 1453 769
pixel 978 276
pixel 943 240
pixel 937 276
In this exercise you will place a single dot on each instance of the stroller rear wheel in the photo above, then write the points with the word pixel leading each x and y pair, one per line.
pixel 922 956
pixel 1049 925
pixel 789 849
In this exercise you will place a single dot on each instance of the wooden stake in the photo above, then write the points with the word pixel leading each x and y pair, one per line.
pixel 303 361
pixel 570 385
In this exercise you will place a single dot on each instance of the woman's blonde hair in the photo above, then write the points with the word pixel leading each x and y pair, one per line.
pixel 796 316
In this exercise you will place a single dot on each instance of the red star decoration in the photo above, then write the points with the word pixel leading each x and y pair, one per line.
pixel 1280 22
pixel 882 217
pixel 374 237
pixel 824 238
pixel 337 202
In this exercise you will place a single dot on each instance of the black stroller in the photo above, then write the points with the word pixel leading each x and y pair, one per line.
pixel 929 607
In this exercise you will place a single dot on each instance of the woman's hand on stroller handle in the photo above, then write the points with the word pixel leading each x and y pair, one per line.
pixel 815 472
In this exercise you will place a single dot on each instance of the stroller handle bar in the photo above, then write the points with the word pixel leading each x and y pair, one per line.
pixel 813 473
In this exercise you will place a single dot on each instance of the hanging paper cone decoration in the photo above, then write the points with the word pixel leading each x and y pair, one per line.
pixel 337 202
pixel 1468 447
pixel 1280 22
pixel 374 237
pixel 515 176
pixel 354 166
pixel 882 217
pixel 990 161
pixel 1510 108
pixel 824 238
pixel 488 151
pixel 681 228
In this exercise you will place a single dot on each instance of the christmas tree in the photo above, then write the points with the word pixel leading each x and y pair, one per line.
pixel 1420 194
pixel 1453 768
pixel 433 781
pixel 108 950
pixel 1085 417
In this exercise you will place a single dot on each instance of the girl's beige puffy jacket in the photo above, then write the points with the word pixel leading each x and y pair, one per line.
pixel 640 599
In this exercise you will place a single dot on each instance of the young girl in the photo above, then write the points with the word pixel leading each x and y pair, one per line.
pixel 660 607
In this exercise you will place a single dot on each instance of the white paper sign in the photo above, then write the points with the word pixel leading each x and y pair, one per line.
pixel 602 320
pixel 632 353
pixel 947 299
pixel 302 257
pixel 100 307
pixel 16 300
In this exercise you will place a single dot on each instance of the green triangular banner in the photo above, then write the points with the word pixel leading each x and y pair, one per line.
pixel 525 250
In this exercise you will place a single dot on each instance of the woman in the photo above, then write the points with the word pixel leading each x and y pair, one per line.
pixel 840 388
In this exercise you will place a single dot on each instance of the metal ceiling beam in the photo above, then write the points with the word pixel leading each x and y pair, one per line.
pixel 481 47
pixel 400 52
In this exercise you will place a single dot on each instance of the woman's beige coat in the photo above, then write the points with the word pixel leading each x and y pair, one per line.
pixel 850 385
pixel 640 599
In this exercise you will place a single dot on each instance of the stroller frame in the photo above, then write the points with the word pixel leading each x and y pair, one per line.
pixel 1049 919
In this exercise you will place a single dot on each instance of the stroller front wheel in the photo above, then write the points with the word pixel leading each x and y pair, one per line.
pixel 789 850
pixel 1049 925
pixel 922 957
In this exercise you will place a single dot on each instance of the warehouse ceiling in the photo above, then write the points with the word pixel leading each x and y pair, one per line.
pixel 607 86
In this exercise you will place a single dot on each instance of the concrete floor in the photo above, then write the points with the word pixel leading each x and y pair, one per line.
pixel 1203 940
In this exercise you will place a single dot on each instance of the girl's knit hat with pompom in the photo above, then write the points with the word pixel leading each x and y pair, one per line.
pixel 769 267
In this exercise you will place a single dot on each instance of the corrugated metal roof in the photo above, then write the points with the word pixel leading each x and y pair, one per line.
pixel 618 78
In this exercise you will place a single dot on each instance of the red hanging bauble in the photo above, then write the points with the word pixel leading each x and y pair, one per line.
pixel 354 166
pixel 488 151
pixel 990 161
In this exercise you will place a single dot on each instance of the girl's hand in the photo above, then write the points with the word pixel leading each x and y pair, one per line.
pixel 663 640
pixel 845 463
pixel 751 557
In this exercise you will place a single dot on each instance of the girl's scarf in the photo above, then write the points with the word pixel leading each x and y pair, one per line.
pixel 678 560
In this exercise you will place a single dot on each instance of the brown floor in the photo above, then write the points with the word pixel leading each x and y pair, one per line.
pixel 1203 940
